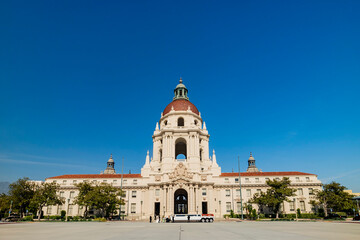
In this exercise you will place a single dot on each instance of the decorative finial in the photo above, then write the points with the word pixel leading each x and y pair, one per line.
pixel 110 155
pixel 180 80
pixel 250 154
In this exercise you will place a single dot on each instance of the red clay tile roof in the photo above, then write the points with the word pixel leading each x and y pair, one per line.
pixel 236 174
pixel 181 105
pixel 96 176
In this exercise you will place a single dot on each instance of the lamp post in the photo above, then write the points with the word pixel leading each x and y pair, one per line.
pixel 220 208
pixel 163 211
pixel 67 209
pixel 241 205
pixel 141 203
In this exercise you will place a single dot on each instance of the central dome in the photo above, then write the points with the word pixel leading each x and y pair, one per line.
pixel 181 105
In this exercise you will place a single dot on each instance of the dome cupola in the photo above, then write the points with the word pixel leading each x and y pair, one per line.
pixel 180 91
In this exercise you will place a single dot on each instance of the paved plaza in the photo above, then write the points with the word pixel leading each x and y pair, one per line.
pixel 171 231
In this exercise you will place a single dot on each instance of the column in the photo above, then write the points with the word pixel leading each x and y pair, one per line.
pixel 191 199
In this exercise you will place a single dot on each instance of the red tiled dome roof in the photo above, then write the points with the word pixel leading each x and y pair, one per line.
pixel 181 105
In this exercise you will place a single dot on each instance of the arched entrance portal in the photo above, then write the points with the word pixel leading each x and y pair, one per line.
pixel 180 202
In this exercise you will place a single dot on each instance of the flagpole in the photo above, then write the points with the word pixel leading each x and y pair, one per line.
pixel 242 216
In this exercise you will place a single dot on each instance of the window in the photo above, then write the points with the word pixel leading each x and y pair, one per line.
pixel 204 191
pixel 54 181
pixel 297 179
pixel 248 192
pixel 267 179
pixel 104 181
pixel 180 122
pixel 124 194
pixel 292 206
pixel 64 182
pixel 114 182
pixel 195 122
pixel 71 209
pixel 157 192
pixel 258 191
pixel 307 179
pixel 59 208
pixel 228 206
pixel 278 179
pixel 48 210
pixel 247 180
pixel 238 207
pixel 62 194
pixel 300 192
pixel 133 207
pixel 311 191
pixel 227 191
pixel 125 181
pixel 72 194
pixel 226 180
pixel 302 205
pixel 238 192
pixel 86 180
pixel 74 181
pixel 133 194
pixel 236 180
pixel 93 181
pixel 135 181
pixel 257 180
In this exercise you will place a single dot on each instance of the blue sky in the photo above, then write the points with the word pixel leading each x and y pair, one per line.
pixel 82 79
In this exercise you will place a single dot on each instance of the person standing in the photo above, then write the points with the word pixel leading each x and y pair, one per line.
pixel 188 218
pixel 150 219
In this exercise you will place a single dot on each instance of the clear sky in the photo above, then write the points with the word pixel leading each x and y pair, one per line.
pixel 80 80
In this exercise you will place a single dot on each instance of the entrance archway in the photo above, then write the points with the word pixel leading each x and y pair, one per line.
pixel 180 202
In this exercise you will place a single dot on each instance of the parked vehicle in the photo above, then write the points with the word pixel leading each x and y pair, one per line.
pixel 12 218
pixel 194 217
pixel 333 216
pixel 356 218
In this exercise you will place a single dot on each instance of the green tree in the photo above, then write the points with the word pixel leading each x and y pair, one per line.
pixel 4 204
pixel 83 198
pixel 45 194
pixel 278 192
pixel 333 197
pixel 21 192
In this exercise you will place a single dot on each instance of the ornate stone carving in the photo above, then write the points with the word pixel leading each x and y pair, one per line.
pixel 181 172
pixel 203 178
pixel 157 178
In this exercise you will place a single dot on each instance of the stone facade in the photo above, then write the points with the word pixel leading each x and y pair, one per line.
pixel 181 176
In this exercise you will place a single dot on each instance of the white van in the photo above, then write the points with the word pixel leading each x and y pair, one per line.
pixel 194 217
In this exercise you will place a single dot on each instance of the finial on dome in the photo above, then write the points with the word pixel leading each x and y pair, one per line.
pixel 180 81
pixel 250 154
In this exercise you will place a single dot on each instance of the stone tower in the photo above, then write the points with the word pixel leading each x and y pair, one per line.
pixel 251 164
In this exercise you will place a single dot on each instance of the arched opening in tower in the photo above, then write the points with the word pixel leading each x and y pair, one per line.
pixel 180 149
pixel 180 122
pixel 180 201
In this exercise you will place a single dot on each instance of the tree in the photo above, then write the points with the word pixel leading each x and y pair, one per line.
pixel 105 198
pixel 5 203
pixel 333 197
pixel 273 198
pixel 45 194
pixel 21 192
pixel 83 198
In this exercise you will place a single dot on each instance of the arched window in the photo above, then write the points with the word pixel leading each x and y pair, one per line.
pixel 165 123
pixel 180 149
pixel 160 154
pixel 195 122
pixel 180 122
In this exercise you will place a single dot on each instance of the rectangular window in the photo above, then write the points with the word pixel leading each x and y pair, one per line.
pixel 93 181
pixel 297 179
pixel 125 181
pixel 71 209
pixel 292 206
pixel 227 191
pixel 104 181
pixel 135 181
pixel 267 179
pixel 248 192
pixel 59 208
pixel 236 180
pixel 133 207
pixel 64 182
pixel 204 191
pixel 74 181
pixel 86 180
pixel 228 206
pixel 54 181
pixel 311 191
pixel 277 179
pixel 247 180
pixel 133 194
pixel 258 191
pixel 124 194
pixel 48 210
pixel 302 206
pixel 114 182
pixel 257 180
pixel 157 192
pixel 226 180
pixel 307 179
pixel 238 207
pixel 300 192
pixel 238 192
pixel 72 194
pixel 62 194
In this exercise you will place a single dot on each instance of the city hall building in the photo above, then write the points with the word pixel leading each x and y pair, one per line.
pixel 183 175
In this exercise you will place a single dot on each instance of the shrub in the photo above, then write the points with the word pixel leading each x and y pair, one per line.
pixel 28 218
pixel 63 213
pixel 298 212
pixel 55 217
pixel 76 218
pixel 100 219
pixel 261 215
